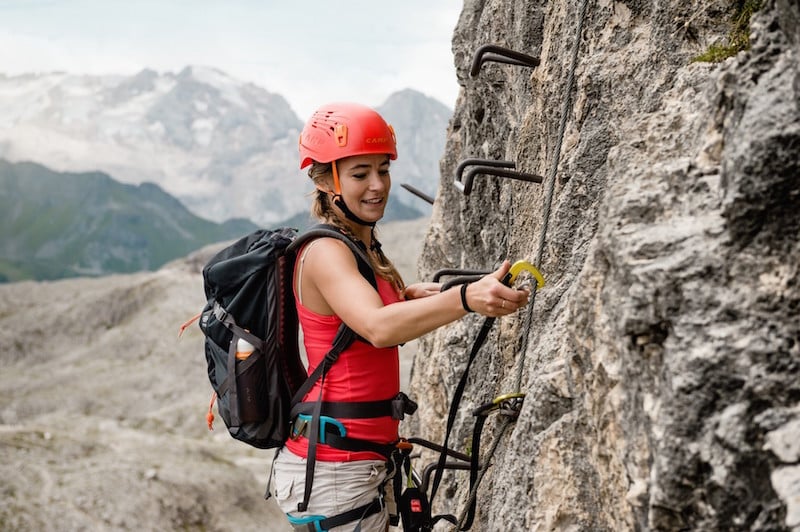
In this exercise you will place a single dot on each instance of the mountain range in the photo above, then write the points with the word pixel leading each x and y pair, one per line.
pixel 224 148
pixel 55 225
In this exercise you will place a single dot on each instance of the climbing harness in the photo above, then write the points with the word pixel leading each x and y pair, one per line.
pixel 318 422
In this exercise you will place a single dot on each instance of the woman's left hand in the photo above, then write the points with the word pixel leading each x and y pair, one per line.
pixel 419 290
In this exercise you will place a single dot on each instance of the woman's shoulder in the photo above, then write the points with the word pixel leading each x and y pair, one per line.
pixel 331 244
pixel 327 252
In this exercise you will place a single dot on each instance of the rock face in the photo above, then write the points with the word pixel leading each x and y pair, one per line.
pixel 662 358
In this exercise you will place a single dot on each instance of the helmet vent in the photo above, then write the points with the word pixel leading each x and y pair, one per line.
pixel 340 134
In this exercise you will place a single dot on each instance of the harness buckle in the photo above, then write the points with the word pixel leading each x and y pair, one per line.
pixel 303 422
pixel 307 523
pixel 402 405
pixel 298 428
pixel 321 523
pixel 404 445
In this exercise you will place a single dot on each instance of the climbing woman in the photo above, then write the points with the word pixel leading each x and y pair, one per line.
pixel 336 479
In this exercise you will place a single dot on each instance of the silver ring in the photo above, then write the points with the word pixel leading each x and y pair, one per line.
pixel 503 304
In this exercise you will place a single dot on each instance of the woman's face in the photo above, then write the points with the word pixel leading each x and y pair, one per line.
pixel 365 184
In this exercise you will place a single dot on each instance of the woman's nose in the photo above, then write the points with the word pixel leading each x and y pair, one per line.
pixel 376 181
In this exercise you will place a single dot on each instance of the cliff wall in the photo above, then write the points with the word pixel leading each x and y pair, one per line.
pixel 661 359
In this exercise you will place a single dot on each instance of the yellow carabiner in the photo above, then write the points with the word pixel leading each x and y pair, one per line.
pixel 521 265
pixel 505 397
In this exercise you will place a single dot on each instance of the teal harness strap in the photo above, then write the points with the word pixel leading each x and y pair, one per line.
pixel 321 523
pixel 307 522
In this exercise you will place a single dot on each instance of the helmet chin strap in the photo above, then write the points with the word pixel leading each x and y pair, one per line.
pixel 339 201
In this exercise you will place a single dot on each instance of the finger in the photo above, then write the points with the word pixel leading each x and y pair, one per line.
pixel 510 294
pixel 521 297
pixel 502 270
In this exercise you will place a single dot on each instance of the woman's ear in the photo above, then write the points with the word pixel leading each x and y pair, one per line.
pixel 324 183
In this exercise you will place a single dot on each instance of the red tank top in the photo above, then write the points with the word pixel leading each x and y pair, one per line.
pixel 362 373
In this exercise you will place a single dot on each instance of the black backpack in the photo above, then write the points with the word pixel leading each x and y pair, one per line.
pixel 248 287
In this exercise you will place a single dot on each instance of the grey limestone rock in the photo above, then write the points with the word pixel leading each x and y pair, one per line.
pixel 661 364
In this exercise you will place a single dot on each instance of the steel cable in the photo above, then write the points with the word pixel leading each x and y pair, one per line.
pixel 551 179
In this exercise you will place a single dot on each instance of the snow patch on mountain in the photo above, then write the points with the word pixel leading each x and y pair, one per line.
pixel 225 148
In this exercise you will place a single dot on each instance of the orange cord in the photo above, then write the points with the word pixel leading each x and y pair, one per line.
pixel 210 414
pixel 404 445
pixel 186 325
pixel 337 188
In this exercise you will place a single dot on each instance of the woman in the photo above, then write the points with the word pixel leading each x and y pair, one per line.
pixel 349 148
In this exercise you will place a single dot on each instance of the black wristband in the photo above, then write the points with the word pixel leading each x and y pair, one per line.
pixel 464 297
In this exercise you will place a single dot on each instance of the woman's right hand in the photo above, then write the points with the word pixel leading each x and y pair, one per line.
pixel 418 290
pixel 490 297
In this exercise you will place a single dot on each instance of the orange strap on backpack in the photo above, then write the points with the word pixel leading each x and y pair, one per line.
pixel 210 414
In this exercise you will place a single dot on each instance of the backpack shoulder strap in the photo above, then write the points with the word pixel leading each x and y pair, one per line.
pixel 330 231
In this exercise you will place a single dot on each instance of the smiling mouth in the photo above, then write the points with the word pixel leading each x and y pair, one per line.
pixel 375 201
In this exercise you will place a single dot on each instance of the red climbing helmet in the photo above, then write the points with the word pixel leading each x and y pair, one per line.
pixel 338 130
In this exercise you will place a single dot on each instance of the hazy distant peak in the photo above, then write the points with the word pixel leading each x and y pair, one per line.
pixel 213 78
pixel 412 95
pixel 207 74
pixel 223 146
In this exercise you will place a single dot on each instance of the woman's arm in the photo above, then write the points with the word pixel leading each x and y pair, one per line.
pixel 418 290
pixel 332 283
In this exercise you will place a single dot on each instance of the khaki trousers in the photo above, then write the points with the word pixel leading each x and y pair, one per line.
pixel 338 487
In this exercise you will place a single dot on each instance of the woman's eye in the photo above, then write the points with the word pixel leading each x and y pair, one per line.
pixel 359 176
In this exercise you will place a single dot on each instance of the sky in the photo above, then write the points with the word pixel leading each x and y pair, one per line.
pixel 308 51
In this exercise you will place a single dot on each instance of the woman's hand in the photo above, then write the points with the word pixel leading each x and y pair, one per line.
pixel 419 290
pixel 490 297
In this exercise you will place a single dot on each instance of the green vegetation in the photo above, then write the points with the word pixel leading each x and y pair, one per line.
pixel 739 36
pixel 56 225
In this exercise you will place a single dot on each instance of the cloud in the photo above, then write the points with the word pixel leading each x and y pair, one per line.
pixel 309 52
